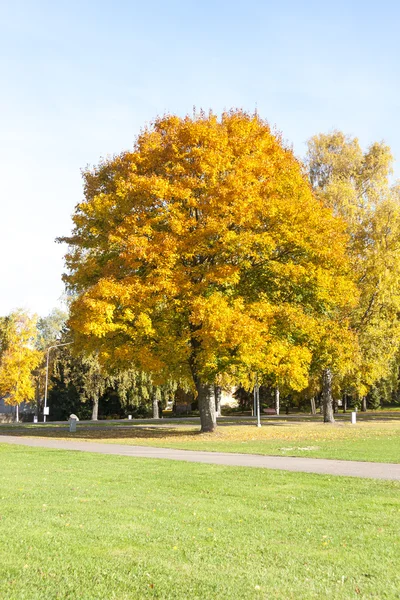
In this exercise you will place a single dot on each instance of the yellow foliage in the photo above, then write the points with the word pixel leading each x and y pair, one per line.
pixel 19 359
pixel 356 186
pixel 203 253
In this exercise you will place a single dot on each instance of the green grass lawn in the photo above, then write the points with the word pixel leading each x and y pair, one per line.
pixel 87 527
pixel 376 441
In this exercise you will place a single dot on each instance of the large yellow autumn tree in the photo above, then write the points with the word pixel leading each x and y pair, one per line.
pixel 203 252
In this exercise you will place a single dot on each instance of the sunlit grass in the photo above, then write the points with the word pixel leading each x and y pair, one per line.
pixel 366 441
pixel 81 526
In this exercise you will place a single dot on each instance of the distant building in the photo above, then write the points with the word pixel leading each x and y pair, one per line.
pixel 8 412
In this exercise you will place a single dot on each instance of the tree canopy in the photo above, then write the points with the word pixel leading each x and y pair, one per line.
pixel 18 357
pixel 356 186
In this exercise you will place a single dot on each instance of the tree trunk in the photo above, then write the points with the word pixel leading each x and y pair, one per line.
pixel 95 409
pixel 327 396
pixel 344 402
pixel 335 405
pixel 155 408
pixel 205 391
pixel 208 419
pixel 313 409
pixel 364 404
pixel 277 400
pixel 217 394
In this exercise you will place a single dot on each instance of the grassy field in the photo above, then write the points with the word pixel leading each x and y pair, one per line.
pixel 376 441
pixel 91 527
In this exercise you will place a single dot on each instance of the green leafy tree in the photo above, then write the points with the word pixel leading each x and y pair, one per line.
pixel 49 332
pixel 80 384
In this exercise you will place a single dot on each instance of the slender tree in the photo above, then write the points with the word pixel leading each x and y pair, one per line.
pixel 218 397
pixel 276 398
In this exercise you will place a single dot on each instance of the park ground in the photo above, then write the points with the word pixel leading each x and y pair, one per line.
pixel 83 526
pixel 375 438
pixel 89 527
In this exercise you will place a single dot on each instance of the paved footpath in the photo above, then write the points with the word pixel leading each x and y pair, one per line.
pixel 285 463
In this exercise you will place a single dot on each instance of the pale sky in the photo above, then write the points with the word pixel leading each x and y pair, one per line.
pixel 80 78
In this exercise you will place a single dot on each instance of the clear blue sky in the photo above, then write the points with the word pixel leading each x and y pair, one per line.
pixel 79 79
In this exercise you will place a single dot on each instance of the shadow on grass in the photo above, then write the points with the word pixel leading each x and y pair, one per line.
pixel 162 430
pixel 108 431
pixel 100 433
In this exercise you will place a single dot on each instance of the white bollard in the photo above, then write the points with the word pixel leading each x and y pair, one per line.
pixel 73 419
pixel 353 418
pixel 130 417
pixel 35 419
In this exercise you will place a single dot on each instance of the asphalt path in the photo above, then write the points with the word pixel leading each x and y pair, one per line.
pixel 305 465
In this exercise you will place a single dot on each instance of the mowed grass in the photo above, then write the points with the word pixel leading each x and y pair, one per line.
pixel 375 441
pixel 87 526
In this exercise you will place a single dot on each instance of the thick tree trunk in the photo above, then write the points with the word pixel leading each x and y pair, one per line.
pixel 95 409
pixel 327 396
pixel 205 391
pixel 364 404
pixel 156 414
pixel 208 419
pixel 217 394
pixel 277 400
pixel 344 402
pixel 313 408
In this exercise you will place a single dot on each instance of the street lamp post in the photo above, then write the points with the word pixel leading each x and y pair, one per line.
pixel 257 402
pixel 47 376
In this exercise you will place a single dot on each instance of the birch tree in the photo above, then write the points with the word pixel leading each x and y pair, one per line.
pixel 356 186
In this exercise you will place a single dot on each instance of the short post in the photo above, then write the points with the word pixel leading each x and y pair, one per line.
pixel 73 419
pixel 353 417
pixel 130 417
pixel 35 419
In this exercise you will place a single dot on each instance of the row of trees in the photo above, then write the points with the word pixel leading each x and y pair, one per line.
pixel 24 339
pixel 210 256
pixel 77 383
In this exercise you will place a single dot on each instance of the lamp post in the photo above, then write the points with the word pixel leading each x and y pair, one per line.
pixel 47 376
pixel 257 402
